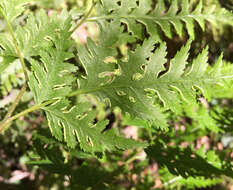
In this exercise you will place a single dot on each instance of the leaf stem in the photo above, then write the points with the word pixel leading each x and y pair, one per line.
pixel 12 108
pixel 23 89
pixel 15 44
pixel 173 180
pixel 133 158
pixel 83 91
pixel 7 120
pixel 84 18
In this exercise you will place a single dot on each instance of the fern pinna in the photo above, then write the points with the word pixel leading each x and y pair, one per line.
pixel 143 83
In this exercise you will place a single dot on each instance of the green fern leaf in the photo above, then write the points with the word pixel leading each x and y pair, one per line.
pixel 199 182
pixel 132 87
pixel 13 8
pixel 51 79
pixel 39 28
pixel 224 89
pixel 177 161
pixel 125 89
pixel 44 29
pixel 7 52
pixel 159 19
pixel 77 124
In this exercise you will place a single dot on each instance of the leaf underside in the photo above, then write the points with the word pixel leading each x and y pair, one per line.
pixel 136 83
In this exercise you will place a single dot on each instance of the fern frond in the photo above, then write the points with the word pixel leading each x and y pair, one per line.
pixel 52 79
pixel 12 8
pixel 136 82
pixel 77 124
pixel 11 78
pixel 187 162
pixel 199 182
pixel 174 182
pixel 224 89
pixel 201 117
pixel 44 29
pixel 159 19
pixel 39 28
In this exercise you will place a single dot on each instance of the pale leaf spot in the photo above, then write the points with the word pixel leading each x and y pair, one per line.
pixel 132 99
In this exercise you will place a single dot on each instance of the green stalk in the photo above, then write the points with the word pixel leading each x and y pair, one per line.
pixel 173 180
pixel 12 108
pixel 15 44
pixel 84 18
pixel 81 91
pixel 23 89
pixel 23 113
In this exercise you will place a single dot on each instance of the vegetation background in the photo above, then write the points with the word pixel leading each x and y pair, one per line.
pixel 31 159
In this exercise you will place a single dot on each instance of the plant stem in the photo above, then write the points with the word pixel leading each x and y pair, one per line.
pixel 133 158
pixel 7 120
pixel 81 91
pixel 12 108
pixel 172 181
pixel 23 89
pixel 15 44
pixel 84 18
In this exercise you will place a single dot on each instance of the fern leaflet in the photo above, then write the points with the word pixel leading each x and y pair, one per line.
pixel 136 82
pixel 155 20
